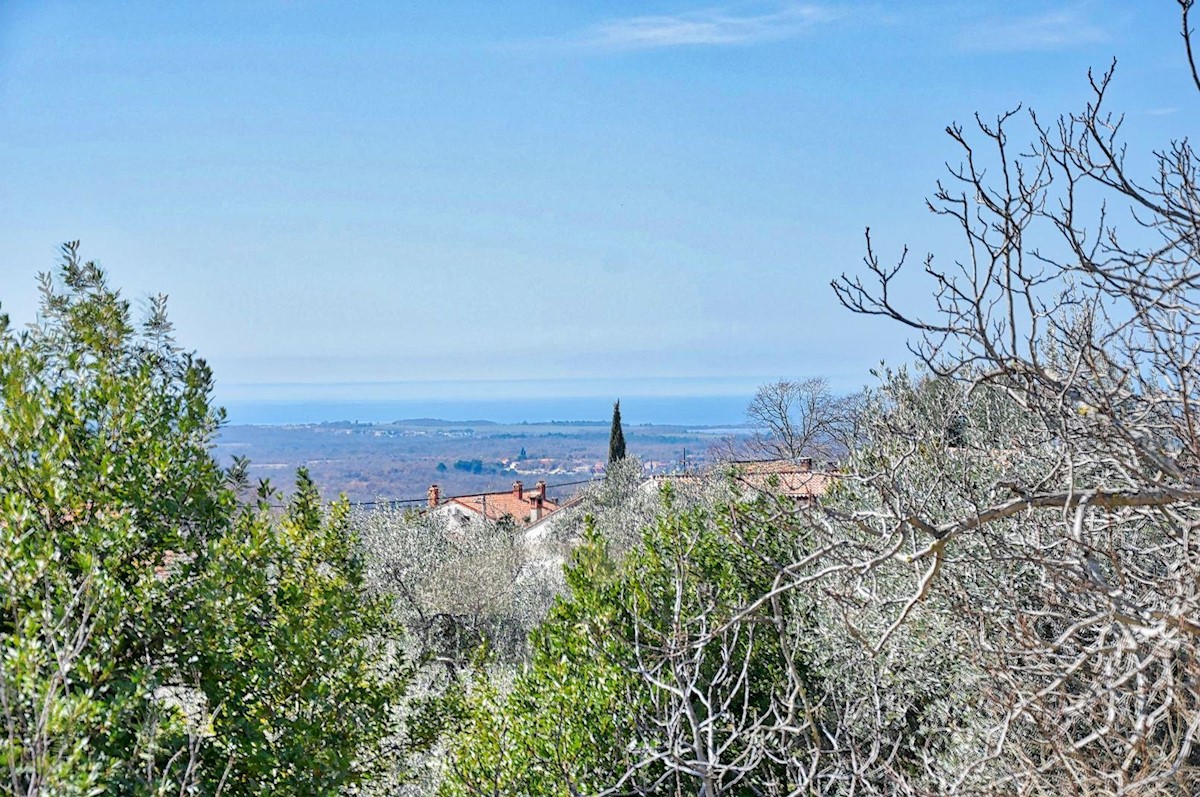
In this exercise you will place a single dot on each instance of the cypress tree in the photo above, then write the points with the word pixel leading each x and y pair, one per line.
pixel 616 438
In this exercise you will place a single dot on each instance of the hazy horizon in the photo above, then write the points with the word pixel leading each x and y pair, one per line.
pixel 688 402
pixel 709 411
pixel 381 192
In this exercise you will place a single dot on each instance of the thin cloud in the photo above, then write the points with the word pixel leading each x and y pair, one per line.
pixel 1055 30
pixel 710 27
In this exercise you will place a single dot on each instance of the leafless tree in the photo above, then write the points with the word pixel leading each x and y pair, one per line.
pixel 1068 556
pixel 1002 594
pixel 1004 591
pixel 804 418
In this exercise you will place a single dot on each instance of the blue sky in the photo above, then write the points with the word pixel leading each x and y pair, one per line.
pixel 599 194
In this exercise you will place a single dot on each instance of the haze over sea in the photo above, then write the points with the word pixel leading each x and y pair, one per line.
pixel 687 402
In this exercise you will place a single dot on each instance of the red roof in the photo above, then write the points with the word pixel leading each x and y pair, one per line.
pixel 494 506
pixel 784 477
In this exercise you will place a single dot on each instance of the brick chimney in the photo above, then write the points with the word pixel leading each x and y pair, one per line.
pixel 435 495
pixel 538 499
pixel 806 465
pixel 518 490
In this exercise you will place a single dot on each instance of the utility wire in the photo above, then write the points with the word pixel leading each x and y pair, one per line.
pixel 405 501
pixel 399 501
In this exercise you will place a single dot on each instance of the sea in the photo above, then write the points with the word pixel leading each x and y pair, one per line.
pixel 723 410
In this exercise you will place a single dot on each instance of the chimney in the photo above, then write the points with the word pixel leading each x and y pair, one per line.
pixel 536 513
pixel 518 490
pixel 806 465
pixel 540 490
pixel 435 495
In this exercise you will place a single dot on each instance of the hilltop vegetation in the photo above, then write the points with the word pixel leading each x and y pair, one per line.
pixel 998 594
pixel 162 630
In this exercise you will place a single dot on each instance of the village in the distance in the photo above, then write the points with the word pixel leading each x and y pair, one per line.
pixel 399 461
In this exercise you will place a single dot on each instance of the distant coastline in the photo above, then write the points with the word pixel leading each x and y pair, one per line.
pixel 724 410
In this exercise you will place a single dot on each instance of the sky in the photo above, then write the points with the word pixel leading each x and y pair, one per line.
pixel 484 199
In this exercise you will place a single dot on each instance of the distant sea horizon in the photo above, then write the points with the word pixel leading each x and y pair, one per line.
pixel 683 401
pixel 721 410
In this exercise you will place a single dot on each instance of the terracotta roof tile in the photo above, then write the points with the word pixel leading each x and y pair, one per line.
pixel 784 477
pixel 494 506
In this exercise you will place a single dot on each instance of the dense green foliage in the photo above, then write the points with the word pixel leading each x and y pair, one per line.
pixel 291 651
pixel 633 640
pixel 616 437
pixel 157 633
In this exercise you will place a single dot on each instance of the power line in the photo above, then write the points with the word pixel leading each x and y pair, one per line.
pixel 402 501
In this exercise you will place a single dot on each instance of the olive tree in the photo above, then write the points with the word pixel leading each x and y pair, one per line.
pixel 1071 558
pixel 454 585
pixel 1000 593
pixel 631 688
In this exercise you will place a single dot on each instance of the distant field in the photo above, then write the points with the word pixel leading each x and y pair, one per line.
pixel 399 460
